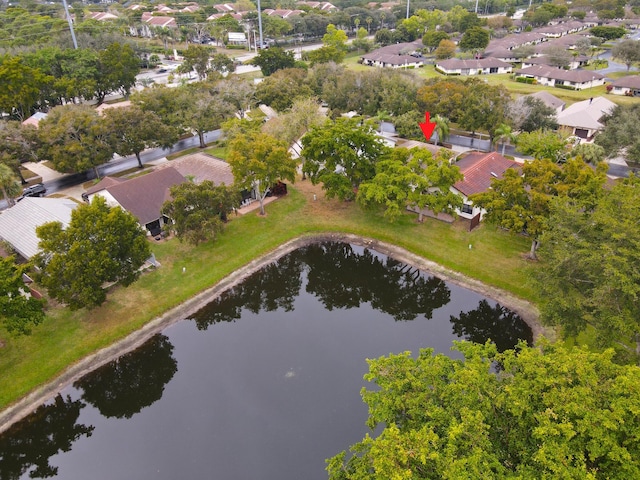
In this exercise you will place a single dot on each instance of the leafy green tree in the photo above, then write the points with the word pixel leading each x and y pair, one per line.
pixel 75 138
pixel 134 130
pixel 326 54
pixel 520 201
pixel 543 144
pixel 282 88
pixel 272 59
pixel 237 92
pixel 608 33
pixel 528 113
pixel 18 309
pixel 22 87
pixel 163 101
pixel 628 51
pixel 443 97
pixel 118 66
pixel 9 184
pixel 222 63
pixel 196 57
pixel 432 38
pixel 545 412
pixel 101 245
pixel 412 178
pixel 484 108
pixel 361 42
pixel 258 162
pixel 335 38
pixel 589 152
pixel 621 132
pixel 558 56
pixel 590 277
pixel 18 143
pixel 446 49
pixel 383 37
pixel 341 154
pixel 475 39
pixel 198 212
pixel 504 134
pixel 202 109
pixel 408 125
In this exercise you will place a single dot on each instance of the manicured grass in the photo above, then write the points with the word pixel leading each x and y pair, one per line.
pixel 65 337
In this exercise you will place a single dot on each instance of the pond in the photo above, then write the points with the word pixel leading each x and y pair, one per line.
pixel 262 383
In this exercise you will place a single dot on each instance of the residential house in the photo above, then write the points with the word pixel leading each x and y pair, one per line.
pixel 479 170
pixel 102 16
pixel 324 6
pixel 558 77
pixel 141 196
pixel 483 66
pixel 34 119
pixel 629 86
pixel 282 13
pixel 199 167
pixel 574 63
pixel 549 100
pixel 399 55
pixel 561 29
pixel 582 119
pixel 18 224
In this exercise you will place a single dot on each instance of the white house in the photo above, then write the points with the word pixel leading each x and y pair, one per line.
pixel 582 119
pixel 627 86
pixel 483 66
pixel 399 55
pixel 557 77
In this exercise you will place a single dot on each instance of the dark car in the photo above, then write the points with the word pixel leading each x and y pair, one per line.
pixel 37 190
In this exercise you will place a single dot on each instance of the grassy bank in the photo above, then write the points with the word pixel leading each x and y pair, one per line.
pixel 495 257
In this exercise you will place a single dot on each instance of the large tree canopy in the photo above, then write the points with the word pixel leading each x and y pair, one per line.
pixel 621 133
pixel 590 276
pixel 258 161
pixel 412 178
pixel 341 154
pixel 542 412
pixel 75 138
pixel 101 245
pixel 198 212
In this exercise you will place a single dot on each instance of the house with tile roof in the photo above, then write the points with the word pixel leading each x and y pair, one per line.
pixel 18 224
pixel 141 196
pixel 479 170
pixel 558 77
pixel 582 119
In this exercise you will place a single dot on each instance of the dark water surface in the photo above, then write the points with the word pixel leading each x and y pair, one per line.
pixel 263 383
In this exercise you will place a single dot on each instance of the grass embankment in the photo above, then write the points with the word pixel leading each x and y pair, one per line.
pixel 65 337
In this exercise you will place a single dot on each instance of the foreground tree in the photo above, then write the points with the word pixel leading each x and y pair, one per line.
pixel 590 277
pixel 258 162
pixel 198 212
pixel 412 178
pixel 18 310
pixel 341 154
pixel 543 144
pixel 101 245
pixel 520 201
pixel 545 412
pixel 621 133
pixel 18 143
pixel 75 138
pixel 133 130
pixel 271 60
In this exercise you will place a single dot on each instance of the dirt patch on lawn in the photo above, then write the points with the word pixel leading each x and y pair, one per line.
pixel 28 404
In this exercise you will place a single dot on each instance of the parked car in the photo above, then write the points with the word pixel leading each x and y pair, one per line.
pixel 37 190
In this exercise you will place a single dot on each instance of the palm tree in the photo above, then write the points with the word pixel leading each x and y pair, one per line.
pixel 9 184
pixel 442 127
pixel 504 134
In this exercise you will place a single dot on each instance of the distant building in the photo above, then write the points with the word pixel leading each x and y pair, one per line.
pixel 558 77
pixel 582 119
pixel 627 86
pixel 483 66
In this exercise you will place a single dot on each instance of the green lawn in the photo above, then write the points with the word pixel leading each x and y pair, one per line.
pixel 496 258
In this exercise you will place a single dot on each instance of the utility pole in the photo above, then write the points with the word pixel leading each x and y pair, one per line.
pixel 408 9
pixel 260 23
pixel 73 34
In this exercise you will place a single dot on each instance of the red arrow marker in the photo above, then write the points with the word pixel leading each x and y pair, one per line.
pixel 427 127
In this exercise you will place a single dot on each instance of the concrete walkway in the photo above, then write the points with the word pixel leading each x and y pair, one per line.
pixel 39 168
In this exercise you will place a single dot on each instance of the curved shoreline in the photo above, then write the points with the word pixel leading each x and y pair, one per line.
pixel 30 402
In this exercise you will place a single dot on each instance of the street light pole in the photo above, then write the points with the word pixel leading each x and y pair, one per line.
pixel 260 22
